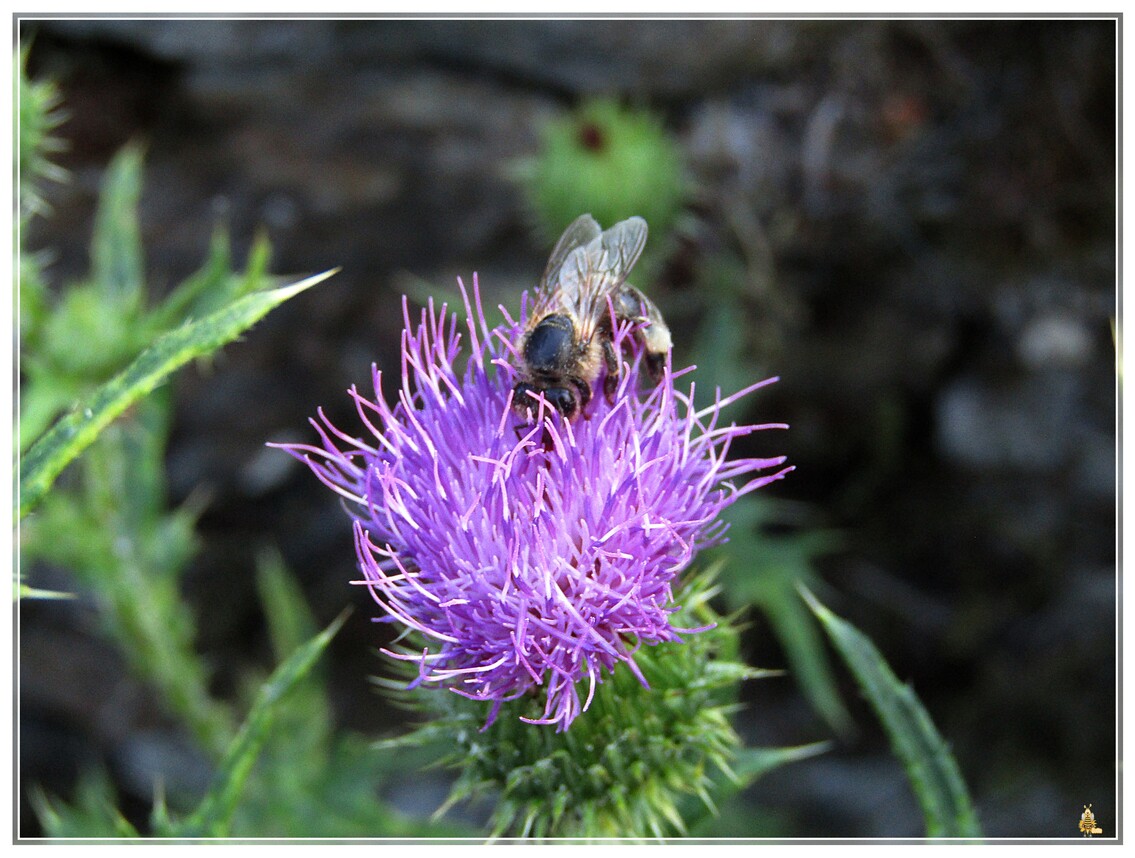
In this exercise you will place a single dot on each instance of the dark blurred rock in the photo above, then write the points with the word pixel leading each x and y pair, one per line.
pixel 1020 427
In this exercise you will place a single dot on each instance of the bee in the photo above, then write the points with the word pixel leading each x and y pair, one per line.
pixel 569 337
pixel 1088 822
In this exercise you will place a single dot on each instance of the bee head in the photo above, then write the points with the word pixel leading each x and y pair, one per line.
pixel 563 399
pixel 548 346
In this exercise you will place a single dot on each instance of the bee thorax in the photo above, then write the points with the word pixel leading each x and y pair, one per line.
pixel 549 346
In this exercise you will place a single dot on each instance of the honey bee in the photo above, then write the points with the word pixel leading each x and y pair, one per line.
pixel 569 337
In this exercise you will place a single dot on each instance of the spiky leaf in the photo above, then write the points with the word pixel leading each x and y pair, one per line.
pixel 213 815
pixel 75 432
pixel 931 768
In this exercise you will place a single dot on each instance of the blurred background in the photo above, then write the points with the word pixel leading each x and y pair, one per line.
pixel 912 223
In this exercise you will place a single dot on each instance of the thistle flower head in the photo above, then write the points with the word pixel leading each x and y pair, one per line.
pixel 531 556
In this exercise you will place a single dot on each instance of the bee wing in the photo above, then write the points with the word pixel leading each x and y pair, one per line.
pixel 549 299
pixel 591 273
pixel 580 232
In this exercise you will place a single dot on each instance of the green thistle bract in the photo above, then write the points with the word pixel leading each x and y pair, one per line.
pixel 627 770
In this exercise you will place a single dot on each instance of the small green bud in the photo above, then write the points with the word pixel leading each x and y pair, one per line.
pixel 611 161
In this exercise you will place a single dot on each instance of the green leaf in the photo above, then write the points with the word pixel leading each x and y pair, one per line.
pixel 300 745
pixel 746 767
pixel 290 622
pixel 808 663
pixel 765 571
pixel 931 768
pixel 26 592
pixel 215 284
pixel 111 528
pixel 212 817
pixel 309 780
pixel 91 814
pixel 256 268
pixel 336 796
pixel 116 250
pixel 77 430
pixel 191 297
pixel 751 764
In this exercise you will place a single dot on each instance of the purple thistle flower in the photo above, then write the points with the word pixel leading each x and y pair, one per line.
pixel 529 554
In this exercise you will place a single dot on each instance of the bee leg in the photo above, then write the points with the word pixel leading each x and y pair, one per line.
pixel 584 392
pixel 611 380
pixel 546 440
pixel 523 405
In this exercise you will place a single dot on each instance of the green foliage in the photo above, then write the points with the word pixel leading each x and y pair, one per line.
pixel 611 161
pixel 626 766
pixel 91 814
pixel 212 818
pixel 72 434
pixel 109 523
pixel 116 250
pixel 286 770
pixel 112 528
pixel 765 570
pixel 930 767
pixel 38 118
pixel 748 766
pixel 126 348
pixel 113 531
pixel 309 779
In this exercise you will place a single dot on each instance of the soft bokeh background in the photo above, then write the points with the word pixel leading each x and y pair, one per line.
pixel 921 216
